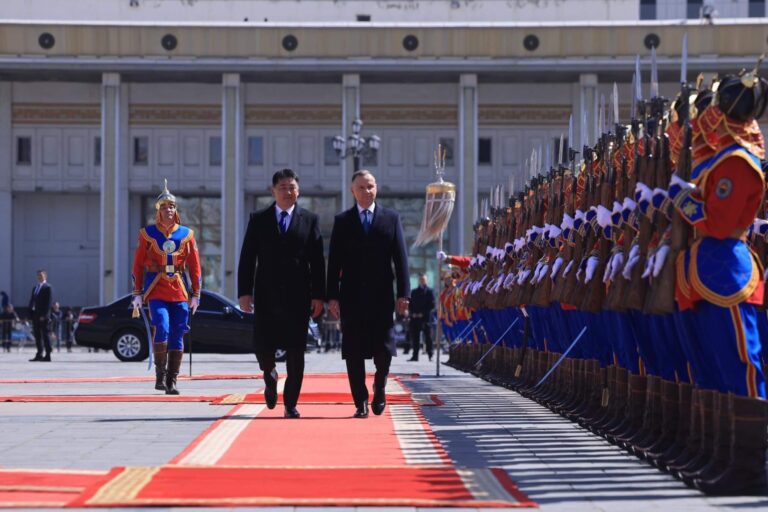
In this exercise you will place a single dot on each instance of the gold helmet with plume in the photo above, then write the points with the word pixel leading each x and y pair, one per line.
pixel 166 197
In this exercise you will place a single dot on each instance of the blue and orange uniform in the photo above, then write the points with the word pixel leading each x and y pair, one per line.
pixel 167 276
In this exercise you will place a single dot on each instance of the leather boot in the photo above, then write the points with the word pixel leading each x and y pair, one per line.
pixel 661 457
pixel 745 472
pixel 707 428
pixel 634 413
pixel 692 441
pixel 723 410
pixel 161 360
pixel 174 365
pixel 651 430
pixel 670 418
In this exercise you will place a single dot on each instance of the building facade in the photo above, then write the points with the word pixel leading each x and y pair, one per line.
pixel 93 117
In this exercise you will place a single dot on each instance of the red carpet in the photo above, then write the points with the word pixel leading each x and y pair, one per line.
pixel 44 488
pixel 109 398
pixel 319 486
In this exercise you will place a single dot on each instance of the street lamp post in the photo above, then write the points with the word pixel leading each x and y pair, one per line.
pixel 356 146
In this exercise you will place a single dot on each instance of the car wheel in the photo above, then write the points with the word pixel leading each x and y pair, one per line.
pixel 130 345
pixel 280 355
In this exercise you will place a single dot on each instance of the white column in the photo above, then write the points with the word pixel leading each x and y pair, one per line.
pixel 114 254
pixel 232 130
pixel 350 110
pixel 584 100
pixel 6 206
pixel 467 161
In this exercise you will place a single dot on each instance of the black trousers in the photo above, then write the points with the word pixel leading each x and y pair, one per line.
pixel 356 374
pixel 417 326
pixel 42 336
pixel 294 363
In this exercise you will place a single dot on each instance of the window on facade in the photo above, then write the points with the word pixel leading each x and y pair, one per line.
pixel 756 9
pixel 214 151
pixel 203 216
pixel 24 150
pixel 97 151
pixel 370 158
pixel 484 151
pixel 255 151
pixel 647 9
pixel 694 9
pixel 330 157
pixel 448 144
pixel 140 150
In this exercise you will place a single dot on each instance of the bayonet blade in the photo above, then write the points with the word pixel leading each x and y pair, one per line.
pixel 559 151
pixel 638 80
pixel 654 93
pixel 583 133
pixel 548 157
pixel 633 108
pixel 601 116
pixel 616 119
pixel 684 60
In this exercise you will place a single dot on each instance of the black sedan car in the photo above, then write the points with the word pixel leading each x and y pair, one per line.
pixel 218 327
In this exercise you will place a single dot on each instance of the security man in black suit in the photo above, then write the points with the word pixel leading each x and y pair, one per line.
pixel 367 253
pixel 281 278
pixel 39 310
pixel 422 305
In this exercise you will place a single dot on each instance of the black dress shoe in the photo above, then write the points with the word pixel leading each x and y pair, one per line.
pixel 414 359
pixel 379 402
pixel 46 358
pixel 37 357
pixel 362 410
pixel 291 412
pixel 270 391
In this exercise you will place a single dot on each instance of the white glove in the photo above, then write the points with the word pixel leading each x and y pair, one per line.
pixel 617 260
pixel 137 301
pixel 607 272
pixel 643 192
pixel 634 257
pixel 760 227
pixel 441 256
pixel 509 280
pixel 543 272
pixel 592 264
pixel 648 265
pixel 523 276
pixel 537 273
pixel 603 216
pixel 194 304
pixel 568 268
pixel 556 266
pixel 660 257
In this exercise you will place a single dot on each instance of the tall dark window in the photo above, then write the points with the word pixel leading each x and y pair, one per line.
pixel 140 150
pixel 255 151
pixel 97 151
pixel 23 150
pixel 647 9
pixel 484 151
pixel 694 9
pixel 214 151
pixel 756 9
pixel 330 157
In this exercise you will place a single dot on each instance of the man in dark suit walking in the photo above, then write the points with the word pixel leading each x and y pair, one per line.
pixel 422 304
pixel 39 310
pixel 281 278
pixel 366 243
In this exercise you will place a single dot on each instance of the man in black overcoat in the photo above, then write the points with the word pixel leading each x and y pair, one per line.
pixel 367 253
pixel 39 310
pixel 422 305
pixel 281 278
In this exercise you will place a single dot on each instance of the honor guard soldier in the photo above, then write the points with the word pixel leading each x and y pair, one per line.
pixel 722 279
pixel 166 274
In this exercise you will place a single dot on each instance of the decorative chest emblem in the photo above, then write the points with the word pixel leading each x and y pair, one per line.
pixel 169 246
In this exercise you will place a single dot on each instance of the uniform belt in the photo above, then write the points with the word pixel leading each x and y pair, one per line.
pixel 166 269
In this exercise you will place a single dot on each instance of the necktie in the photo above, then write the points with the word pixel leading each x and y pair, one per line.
pixel 283 222
pixel 366 221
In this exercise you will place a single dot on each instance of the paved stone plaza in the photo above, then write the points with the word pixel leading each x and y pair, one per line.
pixel 555 462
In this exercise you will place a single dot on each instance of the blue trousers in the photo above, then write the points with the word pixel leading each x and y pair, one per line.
pixel 730 339
pixel 171 322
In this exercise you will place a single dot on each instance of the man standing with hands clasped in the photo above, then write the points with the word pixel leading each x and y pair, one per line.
pixel 39 310
pixel 366 243
pixel 281 278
